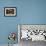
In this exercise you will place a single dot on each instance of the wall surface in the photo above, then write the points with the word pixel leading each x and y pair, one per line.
pixel 28 12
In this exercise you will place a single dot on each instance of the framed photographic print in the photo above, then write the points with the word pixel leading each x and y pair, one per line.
pixel 10 11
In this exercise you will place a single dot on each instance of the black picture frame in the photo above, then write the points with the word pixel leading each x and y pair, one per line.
pixel 10 11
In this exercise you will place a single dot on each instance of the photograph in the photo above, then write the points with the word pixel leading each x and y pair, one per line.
pixel 10 11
